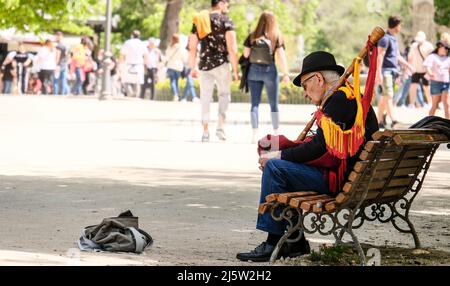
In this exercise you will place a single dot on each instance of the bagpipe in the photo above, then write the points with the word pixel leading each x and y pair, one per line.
pixel 340 143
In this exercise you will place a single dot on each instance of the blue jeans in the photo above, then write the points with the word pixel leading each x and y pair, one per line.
pixel 189 88
pixel 78 87
pixel 258 76
pixel 402 93
pixel 280 176
pixel 60 84
pixel 7 86
pixel 174 75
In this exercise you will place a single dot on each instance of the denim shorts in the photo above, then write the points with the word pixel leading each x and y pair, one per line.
pixel 438 87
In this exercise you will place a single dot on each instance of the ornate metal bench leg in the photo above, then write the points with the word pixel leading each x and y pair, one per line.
pixel 282 240
pixel 338 237
pixel 357 245
pixel 414 233
pixel 411 229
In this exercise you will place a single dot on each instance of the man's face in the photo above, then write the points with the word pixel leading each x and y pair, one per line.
pixel 224 7
pixel 314 87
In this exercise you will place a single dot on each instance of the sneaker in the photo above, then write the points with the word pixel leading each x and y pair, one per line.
pixel 175 98
pixel 183 100
pixel 195 99
pixel 221 134
pixel 205 137
pixel 381 125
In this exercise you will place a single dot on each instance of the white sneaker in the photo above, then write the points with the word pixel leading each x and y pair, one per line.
pixel 205 137
pixel 176 98
pixel 183 100
pixel 221 134
pixel 195 99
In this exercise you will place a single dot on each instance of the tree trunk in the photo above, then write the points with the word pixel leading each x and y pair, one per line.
pixel 170 23
pixel 423 18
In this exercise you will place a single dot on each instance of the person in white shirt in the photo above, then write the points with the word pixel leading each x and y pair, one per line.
pixel 133 56
pixel 47 65
pixel 151 71
pixel 420 49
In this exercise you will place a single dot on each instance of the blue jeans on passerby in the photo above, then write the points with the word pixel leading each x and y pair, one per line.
pixel 189 87
pixel 259 76
pixel 280 176
pixel 60 84
pixel 174 75
pixel 78 87
pixel 402 93
pixel 7 86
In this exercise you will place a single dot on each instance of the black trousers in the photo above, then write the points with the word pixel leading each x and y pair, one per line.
pixel 46 78
pixel 149 82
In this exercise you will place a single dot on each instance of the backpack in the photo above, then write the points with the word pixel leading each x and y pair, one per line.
pixel 116 234
pixel 261 52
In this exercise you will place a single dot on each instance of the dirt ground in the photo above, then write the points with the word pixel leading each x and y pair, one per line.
pixel 67 164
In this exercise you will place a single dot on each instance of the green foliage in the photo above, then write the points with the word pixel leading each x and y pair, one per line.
pixel 143 15
pixel 442 14
pixel 288 94
pixel 329 255
pixel 38 16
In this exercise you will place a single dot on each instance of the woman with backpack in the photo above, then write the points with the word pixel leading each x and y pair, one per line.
pixel 260 48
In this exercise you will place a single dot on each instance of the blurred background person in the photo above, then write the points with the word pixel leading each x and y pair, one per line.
pixel 438 68
pixel 151 68
pixel 60 84
pixel 419 50
pixel 47 65
pixel 260 47
pixel 175 55
pixel 133 56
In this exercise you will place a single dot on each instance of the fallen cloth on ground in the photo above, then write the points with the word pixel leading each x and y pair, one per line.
pixel 115 234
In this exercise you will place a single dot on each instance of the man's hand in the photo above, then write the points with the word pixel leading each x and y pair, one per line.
pixel 235 76
pixel 194 72
pixel 379 79
pixel 266 156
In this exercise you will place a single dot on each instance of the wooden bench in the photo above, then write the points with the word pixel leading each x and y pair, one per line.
pixel 382 186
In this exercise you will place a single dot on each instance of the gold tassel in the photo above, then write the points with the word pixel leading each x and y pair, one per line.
pixel 340 143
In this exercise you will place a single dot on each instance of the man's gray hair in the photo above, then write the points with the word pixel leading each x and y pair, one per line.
pixel 330 76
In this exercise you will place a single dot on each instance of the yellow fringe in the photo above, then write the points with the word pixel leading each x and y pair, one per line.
pixel 334 135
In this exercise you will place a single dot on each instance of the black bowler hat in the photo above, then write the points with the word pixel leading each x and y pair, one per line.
pixel 318 61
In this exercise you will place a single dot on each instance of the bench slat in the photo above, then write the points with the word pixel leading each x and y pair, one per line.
pixel 389 193
pixel 331 206
pixel 375 185
pixel 264 207
pixel 387 164
pixel 395 153
pixel 319 206
pixel 271 198
pixel 308 205
pixel 296 202
pixel 391 133
pixel 383 174
pixel 286 197
pixel 420 139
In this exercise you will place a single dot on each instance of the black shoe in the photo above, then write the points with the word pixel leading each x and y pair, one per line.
pixel 298 248
pixel 261 253
pixel 381 126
